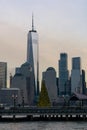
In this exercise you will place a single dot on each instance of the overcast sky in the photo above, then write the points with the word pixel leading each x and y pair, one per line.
pixel 61 25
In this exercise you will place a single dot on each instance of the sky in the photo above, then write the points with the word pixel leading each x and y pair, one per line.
pixel 61 26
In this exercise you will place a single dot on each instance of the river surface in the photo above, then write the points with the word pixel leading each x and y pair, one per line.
pixel 44 126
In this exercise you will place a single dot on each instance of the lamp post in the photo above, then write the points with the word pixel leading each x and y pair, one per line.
pixel 64 101
pixel 23 101
pixel 14 99
pixel 22 97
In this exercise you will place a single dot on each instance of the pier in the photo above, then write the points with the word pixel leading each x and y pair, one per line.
pixel 46 114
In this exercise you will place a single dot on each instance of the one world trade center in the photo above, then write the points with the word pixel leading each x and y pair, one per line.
pixel 33 59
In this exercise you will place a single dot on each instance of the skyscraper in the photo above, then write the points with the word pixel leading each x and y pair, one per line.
pixel 63 73
pixel 3 74
pixel 32 56
pixel 76 83
pixel 22 80
pixel 26 77
pixel 49 76
pixel 83 82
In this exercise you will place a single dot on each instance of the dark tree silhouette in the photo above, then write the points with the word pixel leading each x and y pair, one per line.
pixel 44 100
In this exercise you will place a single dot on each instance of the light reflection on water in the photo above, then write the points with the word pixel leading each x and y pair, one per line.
pixel 44 126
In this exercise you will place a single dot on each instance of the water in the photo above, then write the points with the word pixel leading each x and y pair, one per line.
pixel 44 126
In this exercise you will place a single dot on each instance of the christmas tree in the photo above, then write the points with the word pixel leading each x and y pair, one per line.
pixel 44 100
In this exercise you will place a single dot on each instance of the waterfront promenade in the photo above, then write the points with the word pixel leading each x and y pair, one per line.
pixel 52 113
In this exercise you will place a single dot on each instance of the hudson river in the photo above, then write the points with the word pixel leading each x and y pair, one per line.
pixel 44 126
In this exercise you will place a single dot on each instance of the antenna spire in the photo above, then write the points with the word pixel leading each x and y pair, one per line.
pixel 32 22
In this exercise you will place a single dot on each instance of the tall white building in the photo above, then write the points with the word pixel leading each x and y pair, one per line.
pixel 49 76
pixel 3 75
pixel 76 82
pixel 33 57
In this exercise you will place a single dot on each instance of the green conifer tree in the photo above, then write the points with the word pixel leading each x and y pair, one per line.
pixel 44 100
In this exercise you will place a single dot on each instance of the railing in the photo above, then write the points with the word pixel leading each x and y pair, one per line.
pixel 52 110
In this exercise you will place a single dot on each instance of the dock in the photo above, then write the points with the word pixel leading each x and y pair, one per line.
pixel 44 114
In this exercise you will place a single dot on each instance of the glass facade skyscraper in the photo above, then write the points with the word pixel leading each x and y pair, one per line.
pixel 76 64
pixel 49 76
pixel 3 74
pixel 26 77
pixel 63 73
pixel 76 83
pixel 33 58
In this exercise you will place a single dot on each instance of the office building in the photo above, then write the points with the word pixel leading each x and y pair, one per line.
pixel 3 75
pixel 33 58
pixel 57 83
pixel 10 96
pixel 49 76
pixel 22 80
pixel 63 73
pixel 83 82
pixel 27 76
pixel 68 88
pixel 76 80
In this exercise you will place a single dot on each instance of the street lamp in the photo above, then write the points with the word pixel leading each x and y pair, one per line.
pixel 64 100
pixel 23 101
pixel 22 96
pixel 14 99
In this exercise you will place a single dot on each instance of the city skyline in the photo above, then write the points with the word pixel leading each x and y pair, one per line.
pixel 61 27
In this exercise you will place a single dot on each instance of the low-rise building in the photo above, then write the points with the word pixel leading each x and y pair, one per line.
pixel 9 96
